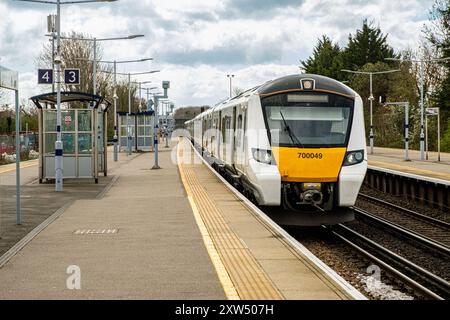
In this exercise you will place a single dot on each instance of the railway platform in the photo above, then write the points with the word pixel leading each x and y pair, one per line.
pixel 174 233
pixel 393 159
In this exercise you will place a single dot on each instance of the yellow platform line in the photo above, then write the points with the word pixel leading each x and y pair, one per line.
pixel 224 278
pixel 407 169
pixel 12 167
pixel 238 270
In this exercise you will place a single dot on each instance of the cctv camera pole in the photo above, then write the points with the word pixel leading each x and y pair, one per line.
pixel 58 143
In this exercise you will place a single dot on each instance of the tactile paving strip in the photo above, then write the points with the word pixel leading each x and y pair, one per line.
pixel 249 279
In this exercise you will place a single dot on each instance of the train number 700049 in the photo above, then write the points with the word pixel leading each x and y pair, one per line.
pixel 310 155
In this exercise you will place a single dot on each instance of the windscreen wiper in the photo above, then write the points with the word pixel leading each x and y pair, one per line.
pixel 293 137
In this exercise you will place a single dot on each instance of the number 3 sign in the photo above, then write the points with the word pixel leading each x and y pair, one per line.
pixel 72 76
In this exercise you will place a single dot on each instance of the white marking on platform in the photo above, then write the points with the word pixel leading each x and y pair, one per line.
pixel 96 231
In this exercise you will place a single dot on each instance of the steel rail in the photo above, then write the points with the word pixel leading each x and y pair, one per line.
pixel 418 271
pixel 406 211
pixel 433 244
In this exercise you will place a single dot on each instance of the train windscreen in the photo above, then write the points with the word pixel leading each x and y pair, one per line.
pixel 310 120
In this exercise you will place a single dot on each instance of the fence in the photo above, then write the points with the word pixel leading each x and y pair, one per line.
pixel 28 141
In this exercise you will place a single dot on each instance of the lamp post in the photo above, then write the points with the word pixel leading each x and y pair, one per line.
pixel 230 76
pixel 147 90
pixel 421 81
pixel 371 98
pixel 57 60
pixel 140 83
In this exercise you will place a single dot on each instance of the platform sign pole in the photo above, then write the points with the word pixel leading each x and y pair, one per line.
pixel 433 112
pixel 18 211
pixel 10 80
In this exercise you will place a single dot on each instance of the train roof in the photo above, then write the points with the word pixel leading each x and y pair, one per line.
pixel 288 83
pixel 296 82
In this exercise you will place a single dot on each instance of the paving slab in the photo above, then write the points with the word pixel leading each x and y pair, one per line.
pixel 156 252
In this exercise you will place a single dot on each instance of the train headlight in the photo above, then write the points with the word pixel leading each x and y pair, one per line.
pixel 353 157
pixel 262 155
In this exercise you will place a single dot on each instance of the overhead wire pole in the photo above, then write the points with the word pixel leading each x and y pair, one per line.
pixel 58 143
pixel 371 98
pixel 422 107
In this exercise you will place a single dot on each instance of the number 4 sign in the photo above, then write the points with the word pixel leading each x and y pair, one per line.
pixel 72 76
pixel 45 76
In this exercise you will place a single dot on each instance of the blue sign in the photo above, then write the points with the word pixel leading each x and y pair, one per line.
pixel 72 76
pixel 45 76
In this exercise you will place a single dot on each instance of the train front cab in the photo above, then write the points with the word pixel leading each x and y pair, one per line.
pixel 318 144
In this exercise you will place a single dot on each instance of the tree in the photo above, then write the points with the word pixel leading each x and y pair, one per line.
pixel 438 33
pixel 368 45
pixel 326 60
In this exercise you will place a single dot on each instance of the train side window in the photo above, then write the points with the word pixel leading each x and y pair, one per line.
pixel 239 131
pixel 224 119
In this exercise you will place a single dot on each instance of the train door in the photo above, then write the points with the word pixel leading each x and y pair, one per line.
pixel 239 143
pixel 233 137
pixel 219 136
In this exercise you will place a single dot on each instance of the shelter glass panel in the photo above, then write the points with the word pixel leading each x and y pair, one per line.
pixel 84 143
pixel 84 120
pixel 68 140
pixel 50 121
pixel 49 144
pixel 68 120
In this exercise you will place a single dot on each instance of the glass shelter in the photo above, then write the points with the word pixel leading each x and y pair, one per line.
pixel 139 122
pixel 83 148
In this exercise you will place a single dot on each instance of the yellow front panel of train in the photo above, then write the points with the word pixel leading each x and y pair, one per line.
pixel 309 165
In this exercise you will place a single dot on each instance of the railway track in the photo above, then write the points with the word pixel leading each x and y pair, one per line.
pixel 403 232
pixel 422 281
pixel 413 221
pixel 407 266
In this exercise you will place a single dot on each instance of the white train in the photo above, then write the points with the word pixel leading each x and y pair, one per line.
pixel 297 143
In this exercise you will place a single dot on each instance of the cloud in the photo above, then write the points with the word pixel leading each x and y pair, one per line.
pixel 196 43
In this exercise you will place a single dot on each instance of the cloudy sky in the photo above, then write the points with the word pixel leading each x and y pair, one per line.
pixel 196 43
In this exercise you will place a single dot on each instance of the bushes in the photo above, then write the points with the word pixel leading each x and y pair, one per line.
pixel 445 140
